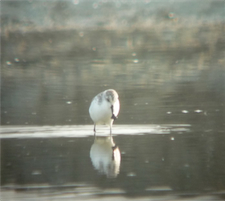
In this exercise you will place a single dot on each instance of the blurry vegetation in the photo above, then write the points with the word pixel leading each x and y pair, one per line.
pixel 80 25
pixel 174 37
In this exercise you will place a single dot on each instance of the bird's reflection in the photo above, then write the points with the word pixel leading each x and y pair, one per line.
pixel 105 156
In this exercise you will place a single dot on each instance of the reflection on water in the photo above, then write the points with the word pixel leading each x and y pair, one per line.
pixel 105 156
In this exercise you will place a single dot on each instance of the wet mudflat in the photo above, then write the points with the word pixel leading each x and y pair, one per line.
pixel 168 69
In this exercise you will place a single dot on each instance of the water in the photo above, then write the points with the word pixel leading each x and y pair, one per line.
pixel 58 88
pixel 163 161
pixel 170 132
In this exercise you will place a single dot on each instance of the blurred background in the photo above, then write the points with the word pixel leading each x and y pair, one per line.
pixel 166 60
pixel 158 55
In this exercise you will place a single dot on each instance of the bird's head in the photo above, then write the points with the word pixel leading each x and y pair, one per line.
pixel 111 96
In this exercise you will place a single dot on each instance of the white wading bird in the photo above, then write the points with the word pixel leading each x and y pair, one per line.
pixel 104 108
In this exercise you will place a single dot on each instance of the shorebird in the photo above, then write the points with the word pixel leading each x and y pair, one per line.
pixel 104 108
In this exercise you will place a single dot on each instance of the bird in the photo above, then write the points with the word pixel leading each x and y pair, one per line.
pixel 104 108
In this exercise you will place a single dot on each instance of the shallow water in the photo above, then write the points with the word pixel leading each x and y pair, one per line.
pixel 170 77
pixel 157 161
pixel 170 130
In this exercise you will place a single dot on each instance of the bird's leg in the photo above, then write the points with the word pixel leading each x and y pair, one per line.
pixel 94 129
pixel 110 129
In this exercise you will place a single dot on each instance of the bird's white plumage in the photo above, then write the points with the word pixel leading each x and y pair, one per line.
pixel 105 108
